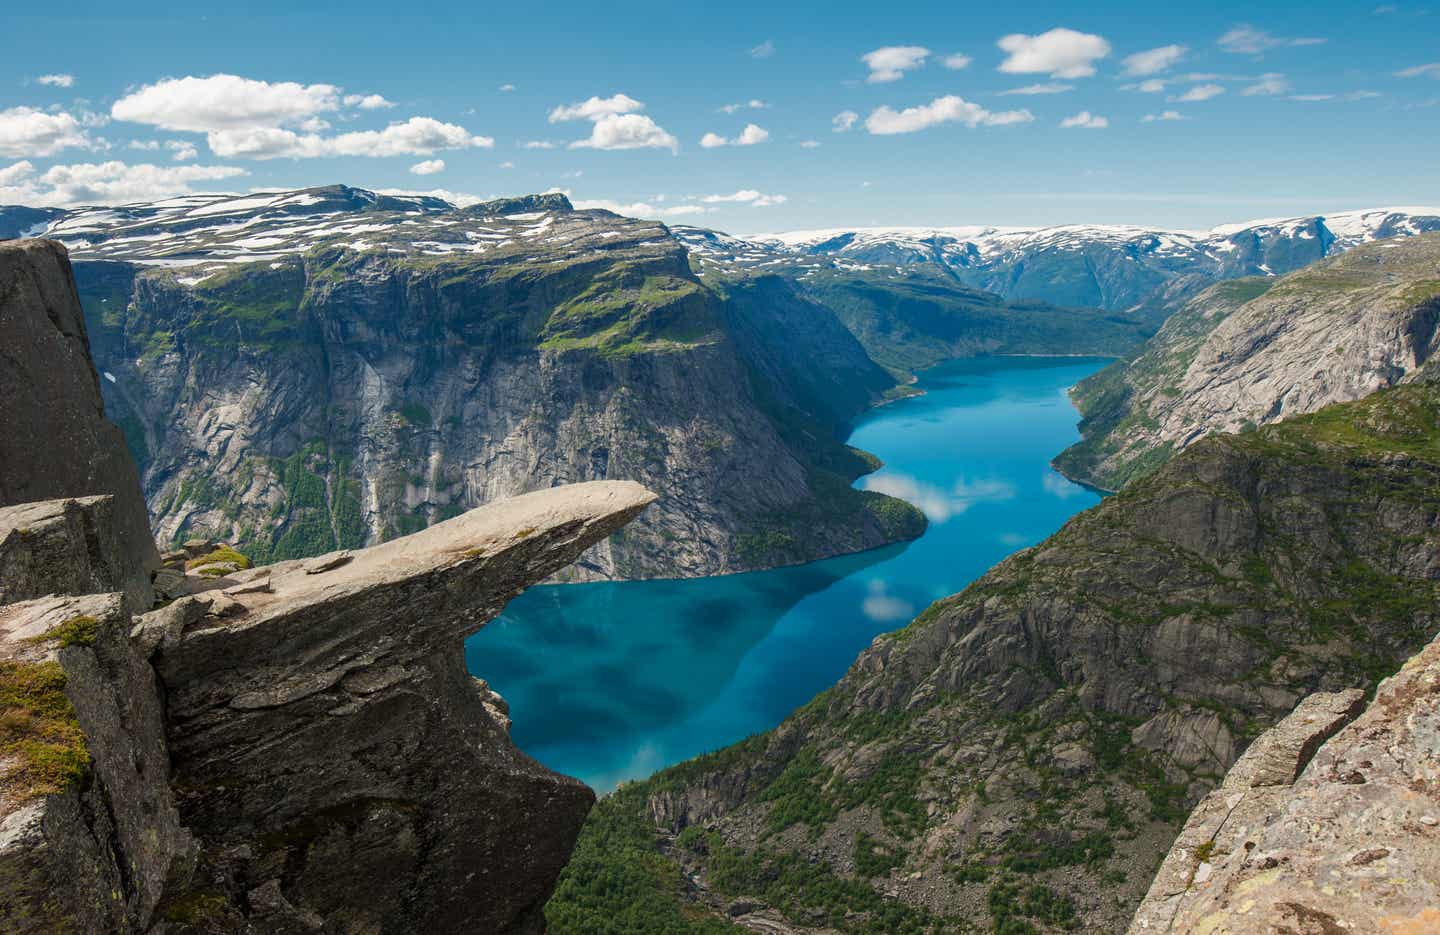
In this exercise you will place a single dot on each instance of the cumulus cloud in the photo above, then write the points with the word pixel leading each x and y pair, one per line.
pixel 56 81
pixel 763 50
pixel 890 62
pixel 1153 61
pixel 627 131
pixel 843 121
pixel 1049 87
pixel 882 607
pixel 939 503
pixel 367 101
pixel 713 140
pixel 1431 70
pixel 1201 92
pixel 1085 121
pixel 884 121
pixel 104 183
pixel 1060 53
pixel 957 61
pixel 1245 39
pixel 25 131
pixel 596 108
pixel 752 134
pixel 1163 115
pixel 418 136
pixel 746 196
pixel 428 167
pixel 1268 84
pixel 224 102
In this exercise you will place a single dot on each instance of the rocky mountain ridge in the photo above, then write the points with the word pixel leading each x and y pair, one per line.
pixel 383 363
pixel 1254 351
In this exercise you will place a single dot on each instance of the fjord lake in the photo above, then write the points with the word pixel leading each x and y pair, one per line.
pixel 613 681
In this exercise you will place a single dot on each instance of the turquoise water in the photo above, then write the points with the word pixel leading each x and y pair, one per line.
pixel 610 682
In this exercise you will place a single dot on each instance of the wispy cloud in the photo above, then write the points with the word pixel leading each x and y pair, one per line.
pixel 1153 61
pixel 892 61
pixel 1049 87
pixel 1245 39
pixel 843 121
pixel 1432 70
pixel 1163 115
pixel 56 81
pixel 1267 85
pixel 1085 121
pixel 746 196
pixel 428 167
pixel 764 50
pixel 885 121
pixel 883 607
pixel 1201 92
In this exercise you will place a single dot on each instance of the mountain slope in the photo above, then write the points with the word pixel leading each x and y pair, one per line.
pixel 382 364
pixel 1253 351
pixel 1020 757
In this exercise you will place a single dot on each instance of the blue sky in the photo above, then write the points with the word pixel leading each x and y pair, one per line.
pixel 1181 116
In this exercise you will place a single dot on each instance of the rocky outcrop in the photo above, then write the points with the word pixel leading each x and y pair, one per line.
pixel 1319 828
pixel 54 439
pixel 1026 751
pixel 1255 351
pixel 293 748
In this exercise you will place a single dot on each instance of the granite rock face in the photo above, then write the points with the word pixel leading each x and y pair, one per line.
pixel 54 439
pixel 1328 823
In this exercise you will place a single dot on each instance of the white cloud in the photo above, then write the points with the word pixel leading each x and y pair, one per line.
pixel 25 131
pixel 507 88
pixel 1153 61
pixel 182 150
pixel 1268 84
pixel 367 101
pixel 1049 87
pixel 1057 485
pixel 1060 53
pixel 883 607
pixel 507 164
pixel 747 196
pixel 1337 98
pixel 957 61
pixel 751 135
pixel 56 81
pixel 1432 70
pixel 627 131
pixel 1085 121
pixel 104 183
pixel 809 144
pixel 224 102
pixel 596 108
pixel 147 145
pixel 843 121
pixel 735 108
pixel 763 50
pixel 1150 86
pixel 1201 92
pixel 884 121
pixel 1245 39
pixel 1164 115
pixel 537 144
pixel 458 199
pixel 640 209
pixel 712 140
pixel 428 167
pixel 418 136
pixel 890 62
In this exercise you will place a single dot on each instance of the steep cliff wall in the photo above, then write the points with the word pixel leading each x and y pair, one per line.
pixel 345 396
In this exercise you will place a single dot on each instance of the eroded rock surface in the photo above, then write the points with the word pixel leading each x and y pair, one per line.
pixel 1332 839
pixel 54 438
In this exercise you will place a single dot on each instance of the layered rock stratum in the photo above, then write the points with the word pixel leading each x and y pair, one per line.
pixel 291 748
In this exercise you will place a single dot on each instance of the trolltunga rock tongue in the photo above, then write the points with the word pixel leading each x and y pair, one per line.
pixel 333 755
